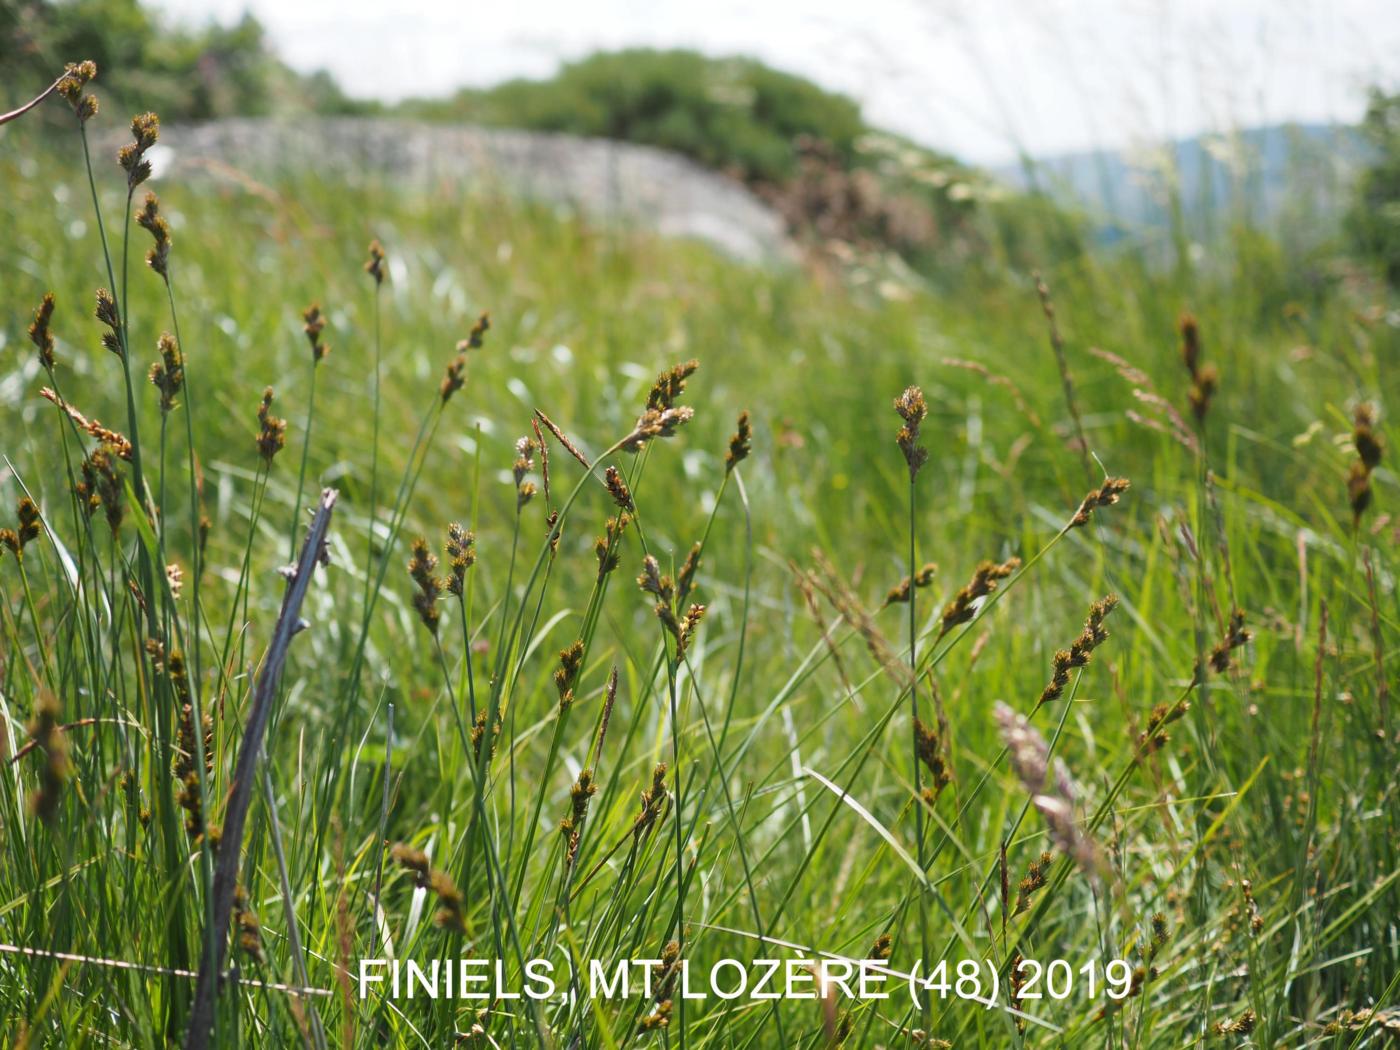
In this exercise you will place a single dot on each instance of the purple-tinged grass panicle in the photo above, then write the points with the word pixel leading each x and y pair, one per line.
pixel 1051 789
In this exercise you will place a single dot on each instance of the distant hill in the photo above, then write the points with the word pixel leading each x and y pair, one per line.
pixel 1296 172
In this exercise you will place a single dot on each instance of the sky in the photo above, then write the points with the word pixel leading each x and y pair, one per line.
pixel 982 79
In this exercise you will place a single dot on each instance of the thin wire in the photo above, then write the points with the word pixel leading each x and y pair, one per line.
pixel 122 964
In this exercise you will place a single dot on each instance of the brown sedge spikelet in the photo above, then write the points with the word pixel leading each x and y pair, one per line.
pixel 524 463
pixel 932 751
pixel 145 130
pixel 272 431
pixel 1369 450
pixel 913 409
pixel 900 593
pixel 688 626
pixel 617 489
pixel 662 417
pixel 39 333
pixel 1106 495
pixel 1154 737
pixel 461 556
pixel 413 861
pixel 46 734
pixel 1204 378
pixel 1080 650
pixel 740 443
pixel 1242 1025
pixel 168 374
pixel 605 546
pixel 566 675
pixel 1037 874
pixel 984 581
pixel 422 567
pixel 245 921
pixel 76 76
pixel 455 375
pixel 374 265
pixel 28 528
pixel 313 323
pixel 106 312
pixel 153 222
pixel 1236 635
pixel 653 800
pixel 572 826
pixel 685 578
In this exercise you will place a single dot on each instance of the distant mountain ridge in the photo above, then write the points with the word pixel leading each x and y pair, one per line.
pixel 1302 172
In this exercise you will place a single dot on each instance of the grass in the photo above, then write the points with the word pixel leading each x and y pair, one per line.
pixel 1263 832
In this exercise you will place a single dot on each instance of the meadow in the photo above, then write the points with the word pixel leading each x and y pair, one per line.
pixel 1011 622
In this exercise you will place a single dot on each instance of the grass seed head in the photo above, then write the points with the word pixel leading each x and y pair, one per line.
pixel 566 676
pixel 685 579
pixel 1204 378
pixel 1236 635
pixel 114 442
pixel 901 592
pixel 46 733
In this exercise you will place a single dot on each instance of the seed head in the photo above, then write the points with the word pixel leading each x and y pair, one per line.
pixel 1369 450
pixel 565 677
pixel 422 567
pixel 984 581
pixel 685 579
pixel 145 130
pixel 313 322
pixel 153 222
pixel 654 423
pixel 1080 650
pixel 740 443
pixel 476 336
pixel 39 333
pixel 669 385
pixel 30 526
pixel 1106 495
pixel 617 488
pixel 461 556
pixel 572 826
pixel 272 431
pixel 168 374
pixel 900 593
pixel 1204 378
pixel 1236 635
pixel 107 314
pixel 653 582
pixel 117 443
pixel 913 409
pixel 653 799
pixel 374 265
pixel 76 76
pixel 46 733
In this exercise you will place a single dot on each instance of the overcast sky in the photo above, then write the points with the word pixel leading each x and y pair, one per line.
pixel 979 78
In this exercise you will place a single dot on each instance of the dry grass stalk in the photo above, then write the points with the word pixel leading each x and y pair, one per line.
pixel 1057 346
pixel 999 380
pixel 110 439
